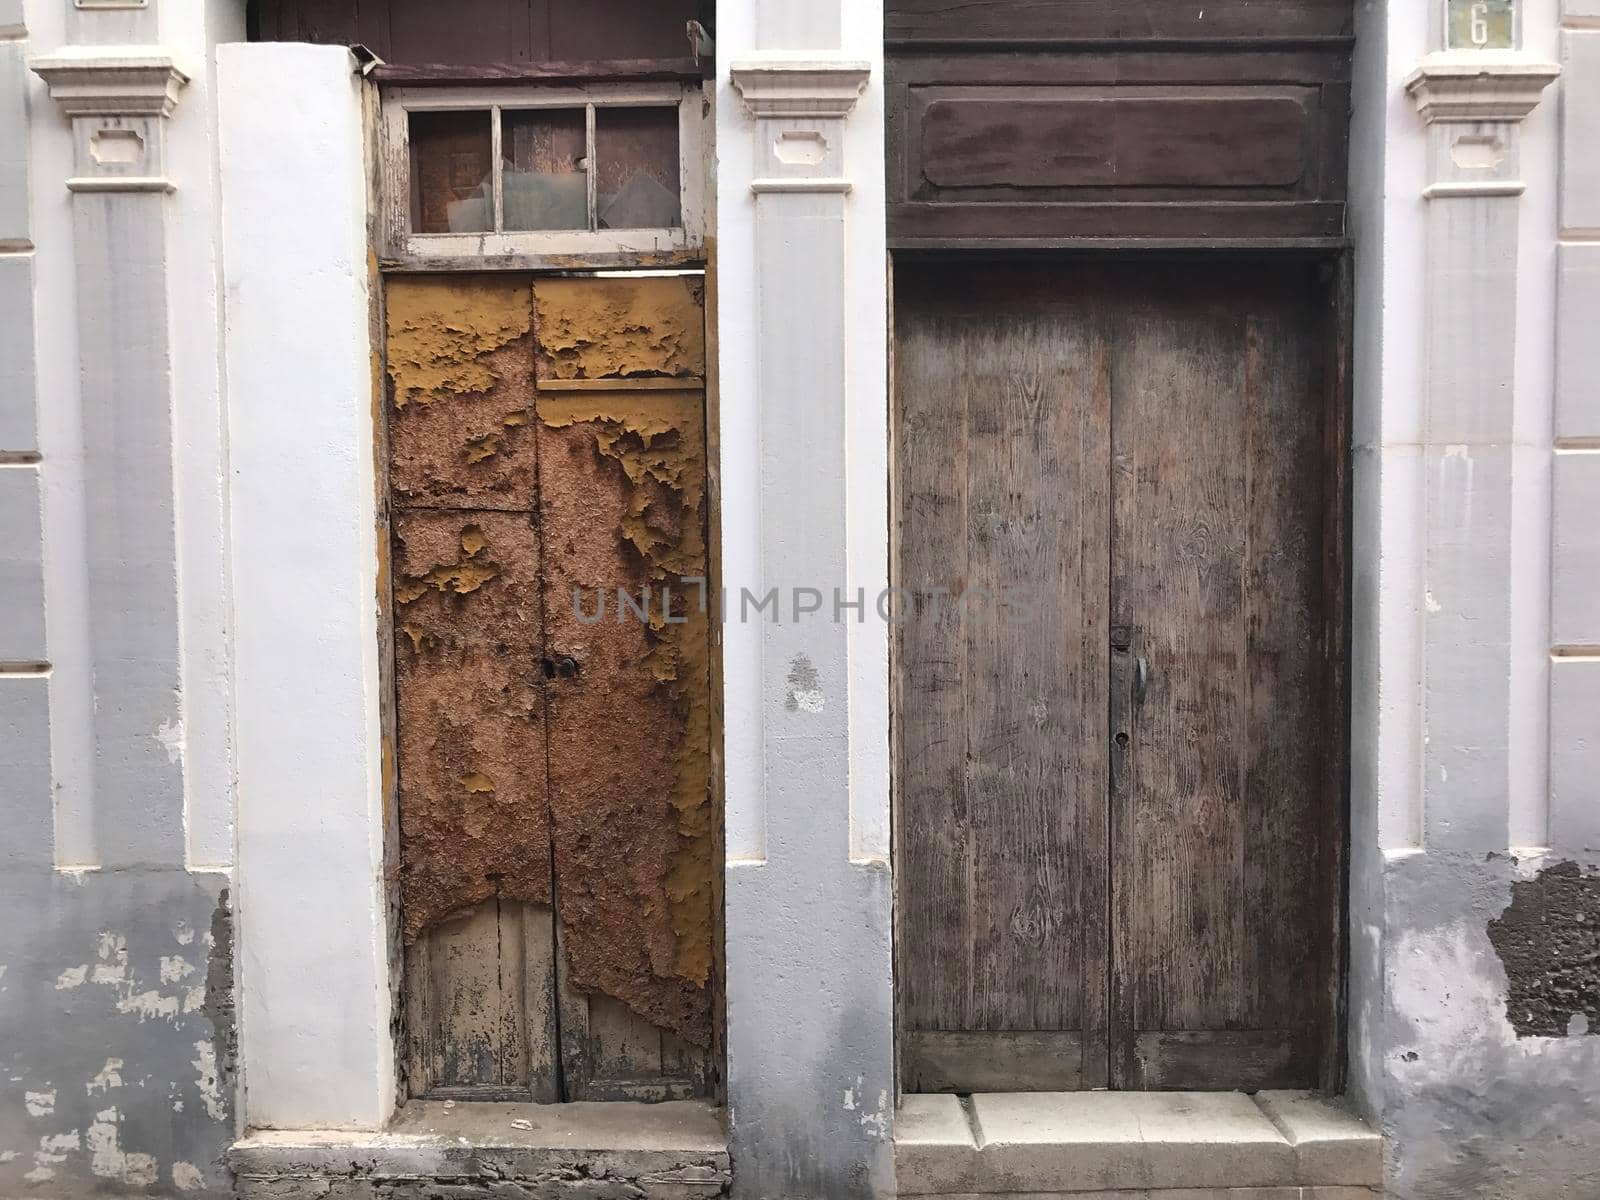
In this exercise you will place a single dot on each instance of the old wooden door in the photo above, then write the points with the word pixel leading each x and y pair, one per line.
pixel 547 457
pixel 1118 807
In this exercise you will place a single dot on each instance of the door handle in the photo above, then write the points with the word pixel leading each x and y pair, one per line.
pixel 1141 679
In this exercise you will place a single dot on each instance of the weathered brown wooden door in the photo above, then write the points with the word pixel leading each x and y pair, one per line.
pixel 1118 807
pixel 547 455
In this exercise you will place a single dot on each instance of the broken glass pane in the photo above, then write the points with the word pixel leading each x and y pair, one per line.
pixel 636 152
pixel 544 182
pixel 450 164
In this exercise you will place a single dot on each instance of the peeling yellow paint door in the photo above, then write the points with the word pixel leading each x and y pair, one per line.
pixel 546 457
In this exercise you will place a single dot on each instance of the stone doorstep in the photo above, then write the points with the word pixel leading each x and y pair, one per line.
pixel 1291 1192
pixel 671 1151
pixel 1133 1145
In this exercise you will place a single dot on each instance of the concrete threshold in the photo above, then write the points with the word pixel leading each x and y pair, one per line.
pixel 1135 1146
pixel 447 1150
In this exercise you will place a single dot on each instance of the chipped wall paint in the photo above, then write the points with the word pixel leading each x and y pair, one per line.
pixel 123 1082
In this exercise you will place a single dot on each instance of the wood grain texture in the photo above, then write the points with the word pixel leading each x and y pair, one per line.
pixel 1008 1061
pixel 486 32
pixel 936 21
pixel 1202 533
pixel 1217 574
pixel 621 70
pixel 1002 413
pixel 480 1018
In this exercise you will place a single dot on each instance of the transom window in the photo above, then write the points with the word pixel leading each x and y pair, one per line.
pixel 599 172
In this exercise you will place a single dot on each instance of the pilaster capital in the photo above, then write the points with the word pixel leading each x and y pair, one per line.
pixel 1478 86
pixel 800 87
pixel 121 81
pixel 118 98
pixel 800 103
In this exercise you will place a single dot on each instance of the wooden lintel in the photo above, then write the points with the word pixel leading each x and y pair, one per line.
pixel 619 70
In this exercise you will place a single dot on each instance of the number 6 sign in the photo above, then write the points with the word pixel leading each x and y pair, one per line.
pixel 1480 24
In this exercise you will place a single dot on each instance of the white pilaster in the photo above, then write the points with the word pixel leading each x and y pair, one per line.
pixel 118 100
pixel 803 331
pixel 1473 103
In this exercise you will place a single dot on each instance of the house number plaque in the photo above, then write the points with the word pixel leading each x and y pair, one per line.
pixel 1480 24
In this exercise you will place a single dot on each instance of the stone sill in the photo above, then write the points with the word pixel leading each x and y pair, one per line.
pixel 672 1151
pixel 1135 1146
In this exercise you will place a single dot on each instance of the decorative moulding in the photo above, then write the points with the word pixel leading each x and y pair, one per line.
pixel 1478 85
pixel 808 87
pixel 111 81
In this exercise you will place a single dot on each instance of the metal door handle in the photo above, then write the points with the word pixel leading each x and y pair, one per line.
pixel 1141 679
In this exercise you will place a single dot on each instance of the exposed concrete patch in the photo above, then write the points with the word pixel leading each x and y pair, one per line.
pixel 1548 940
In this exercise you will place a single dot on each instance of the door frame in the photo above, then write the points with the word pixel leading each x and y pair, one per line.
pixel 1334 385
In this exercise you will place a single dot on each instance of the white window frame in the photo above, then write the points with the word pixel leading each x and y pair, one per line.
pixel 532 248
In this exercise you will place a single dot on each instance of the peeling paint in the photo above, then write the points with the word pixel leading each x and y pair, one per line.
pixel 473 814
pixel 623 505
pixel 461 374
pixel 615 480
pixel 622 328
pixel 39 1104
pixel 440 329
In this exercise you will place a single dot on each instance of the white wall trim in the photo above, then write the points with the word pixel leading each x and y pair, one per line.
pixel 314 976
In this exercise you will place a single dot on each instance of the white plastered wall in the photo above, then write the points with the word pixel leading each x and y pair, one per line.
pixel 313 943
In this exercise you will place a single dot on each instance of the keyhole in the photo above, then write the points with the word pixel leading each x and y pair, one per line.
pixel 1122 741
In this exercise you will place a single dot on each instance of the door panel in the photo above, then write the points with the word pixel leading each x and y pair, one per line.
pixel 622 509
pixel 1113 833
pixel 1217 578
pixel 557 867
pixel 1002 411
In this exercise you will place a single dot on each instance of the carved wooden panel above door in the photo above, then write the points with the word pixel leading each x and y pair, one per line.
pixel 1045 123
pixel 546 455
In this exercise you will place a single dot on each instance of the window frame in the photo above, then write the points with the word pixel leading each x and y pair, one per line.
pixel 523 249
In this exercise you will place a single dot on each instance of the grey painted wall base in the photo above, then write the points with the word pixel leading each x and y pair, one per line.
pixel 122 1082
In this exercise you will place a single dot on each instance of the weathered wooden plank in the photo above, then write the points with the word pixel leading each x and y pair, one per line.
pixel 1178 529
pixel 1246 1059
pixel 998 225
pixel 477 1004
pixel 923 21
pixel 609 1052
pixel 1010 1061
pixel 611 70
pixel 1217 557
pixel 1002 782
pixel 473 32
pixel 629 330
